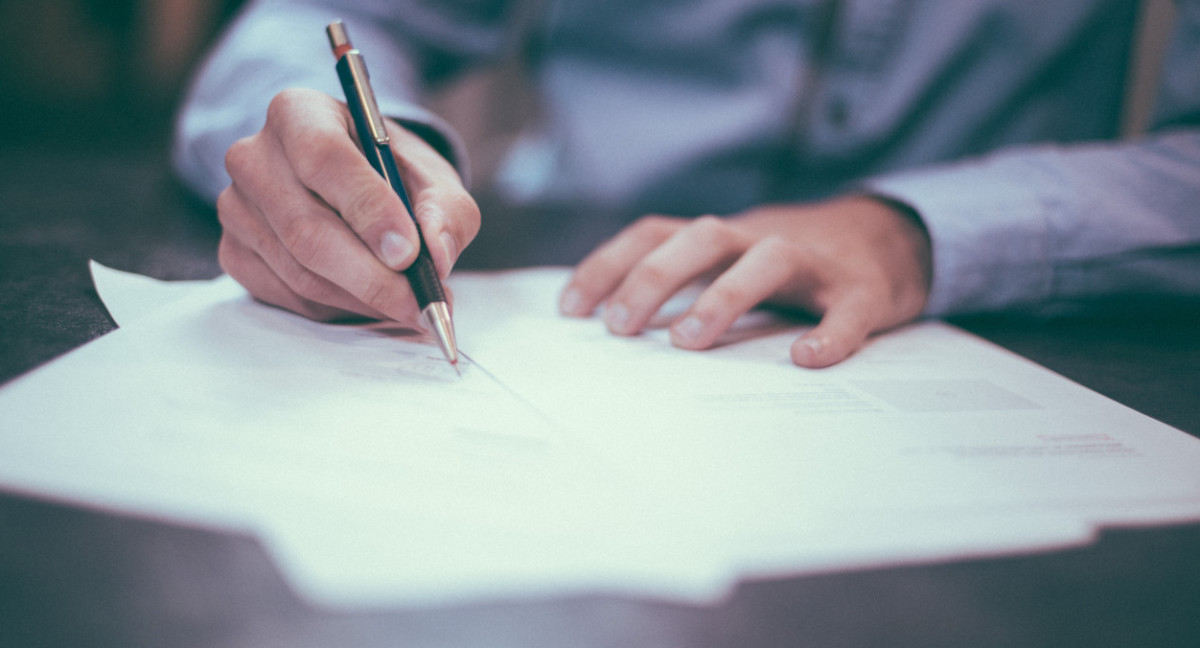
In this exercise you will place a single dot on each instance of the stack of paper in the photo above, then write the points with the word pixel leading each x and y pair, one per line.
pixel 564 459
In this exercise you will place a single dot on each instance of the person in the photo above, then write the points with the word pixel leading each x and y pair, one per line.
pixel 870 161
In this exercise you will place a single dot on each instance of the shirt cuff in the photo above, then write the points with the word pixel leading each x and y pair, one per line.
pixel 436 132
pixel 988 238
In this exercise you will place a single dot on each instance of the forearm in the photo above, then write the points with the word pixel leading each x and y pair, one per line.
pixel 274 46
pixel 1045 228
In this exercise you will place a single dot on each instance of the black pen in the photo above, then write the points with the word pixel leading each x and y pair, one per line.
pixel 422 276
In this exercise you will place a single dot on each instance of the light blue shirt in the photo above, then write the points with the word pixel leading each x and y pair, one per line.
pixel 995 120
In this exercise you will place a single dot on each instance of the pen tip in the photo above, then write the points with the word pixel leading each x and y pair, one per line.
pixel 437 315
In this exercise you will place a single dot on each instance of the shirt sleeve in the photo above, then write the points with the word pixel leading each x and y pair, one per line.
pixel 1052 228
pixel 273 45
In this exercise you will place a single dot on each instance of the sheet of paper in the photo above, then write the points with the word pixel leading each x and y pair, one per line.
pixel 927 423
pixel 564 459
pixel 129 296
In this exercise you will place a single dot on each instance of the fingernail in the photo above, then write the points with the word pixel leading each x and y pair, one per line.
pixel 616 317
pixel 815 346
pixel 687 330
pixel 449 247
pixel 570 302
pixel 395 249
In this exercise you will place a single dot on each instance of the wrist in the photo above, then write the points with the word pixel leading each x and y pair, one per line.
pixel 913 235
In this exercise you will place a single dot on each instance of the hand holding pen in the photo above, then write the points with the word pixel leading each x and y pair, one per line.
pixel 376 144
pixel 310 226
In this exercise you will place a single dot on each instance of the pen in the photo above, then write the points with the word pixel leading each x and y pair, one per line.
pixel 368 122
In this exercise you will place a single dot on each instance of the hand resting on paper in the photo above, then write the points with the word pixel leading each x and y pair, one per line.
pixel 860 264
pixel 308 225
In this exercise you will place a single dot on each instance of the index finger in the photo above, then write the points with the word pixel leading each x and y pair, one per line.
pixel 600 272
pixel 318 141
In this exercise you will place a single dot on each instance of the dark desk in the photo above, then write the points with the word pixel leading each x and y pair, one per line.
pixel 72 577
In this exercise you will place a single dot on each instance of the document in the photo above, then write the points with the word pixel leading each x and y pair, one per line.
pixel 563 459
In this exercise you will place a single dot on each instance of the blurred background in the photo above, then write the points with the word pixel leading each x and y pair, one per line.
pixel 99 74
pixel 88 89
pixel 106 76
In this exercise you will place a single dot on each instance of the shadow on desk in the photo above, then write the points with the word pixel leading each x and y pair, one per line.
pixel 76 578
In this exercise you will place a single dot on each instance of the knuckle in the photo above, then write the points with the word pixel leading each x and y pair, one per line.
pixel 606 259
pixel 655 274
pixel 465 211
pixel 234 215
pixel 373 294
pixel 226 206
pixel 775 245
pixel 368 204
pixel 310 162
pixel 440 203
pixel 305 239
pixel 709 231
pixel 307 285
pixel 655 226
pixel 595 272
pixel 708 221
pixel 775 251
pixel 719 297
pixel 238 157
pixel 285 103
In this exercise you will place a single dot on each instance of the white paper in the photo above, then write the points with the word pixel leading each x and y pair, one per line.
pixel 129 296
pixel 564 459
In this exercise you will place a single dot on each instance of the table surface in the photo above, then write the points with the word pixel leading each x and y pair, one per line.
pixel 72 577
